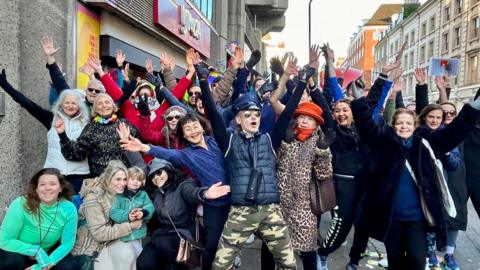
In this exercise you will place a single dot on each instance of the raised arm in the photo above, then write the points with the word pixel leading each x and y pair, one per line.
pixel 421 90
pixel 280 91
pixel 442 89
pixel 331 82
pixel 45 117
pixel 56 75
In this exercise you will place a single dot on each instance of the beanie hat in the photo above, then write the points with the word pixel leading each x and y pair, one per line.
pixel 310 109
pixel 175 108
pixel 143 83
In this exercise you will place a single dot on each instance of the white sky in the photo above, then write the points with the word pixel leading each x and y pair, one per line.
pixel 332 21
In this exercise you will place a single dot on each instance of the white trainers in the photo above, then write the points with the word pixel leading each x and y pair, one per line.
pixel 383 262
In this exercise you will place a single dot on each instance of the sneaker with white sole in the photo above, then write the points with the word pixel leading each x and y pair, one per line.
pixel 322 262
pixel 450 263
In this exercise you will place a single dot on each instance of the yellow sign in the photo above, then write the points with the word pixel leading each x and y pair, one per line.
pixel 88 40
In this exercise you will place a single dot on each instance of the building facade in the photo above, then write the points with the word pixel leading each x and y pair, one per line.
pixel 141 29
pixel 361 48
pixel 438 28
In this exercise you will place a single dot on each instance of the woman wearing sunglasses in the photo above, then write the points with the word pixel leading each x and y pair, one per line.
pixel 167 136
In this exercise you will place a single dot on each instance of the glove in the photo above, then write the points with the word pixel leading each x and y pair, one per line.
pixel 143 106
pixel 357 92
pixel 3 79
pixel 266 75
pixel 202 72
pixel 327 139
pixel 267 87
pixel 306 73
pixel 254 59
pixel 276 66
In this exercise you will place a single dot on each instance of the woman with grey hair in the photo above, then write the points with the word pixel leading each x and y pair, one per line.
pixel 98 244
pixel 98 142
pixel 73 112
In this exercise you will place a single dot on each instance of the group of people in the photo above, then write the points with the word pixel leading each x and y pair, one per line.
pixel 222 159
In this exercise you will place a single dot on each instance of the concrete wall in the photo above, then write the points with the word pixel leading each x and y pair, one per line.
pixel 23 138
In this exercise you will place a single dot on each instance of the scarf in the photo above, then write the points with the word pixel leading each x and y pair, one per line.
pixel 102 120
pixel 304 133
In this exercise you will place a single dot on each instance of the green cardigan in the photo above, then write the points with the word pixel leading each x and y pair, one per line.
pixel 20 231
pixel 122 207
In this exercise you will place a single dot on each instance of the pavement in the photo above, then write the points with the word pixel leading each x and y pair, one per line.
pixel 467 253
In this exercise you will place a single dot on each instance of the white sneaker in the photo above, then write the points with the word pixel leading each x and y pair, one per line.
pixel 383 262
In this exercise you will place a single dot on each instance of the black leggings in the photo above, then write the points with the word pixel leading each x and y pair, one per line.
pixel 309 259
pixel 348 193
pixel 160 252
pixel 406 245
pixel 15 261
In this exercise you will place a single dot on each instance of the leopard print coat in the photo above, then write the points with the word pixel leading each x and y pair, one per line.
pixel 296 161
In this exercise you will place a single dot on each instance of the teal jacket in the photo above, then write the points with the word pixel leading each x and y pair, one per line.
pixel 124 204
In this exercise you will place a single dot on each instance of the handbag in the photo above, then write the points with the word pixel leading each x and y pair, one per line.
pixel 447 199
pixel 189 252
pixel 322 195
pixel 426 213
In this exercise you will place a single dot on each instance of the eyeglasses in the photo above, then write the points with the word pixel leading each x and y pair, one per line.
pixel 170 118
pixel 193 93
pixel 91 90
pixel 452 113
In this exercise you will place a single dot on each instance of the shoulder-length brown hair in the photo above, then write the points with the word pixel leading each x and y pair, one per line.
pixel 431 107
pixel 404 111
pixel 33 201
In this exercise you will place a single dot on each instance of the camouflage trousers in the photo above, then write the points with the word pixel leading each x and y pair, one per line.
pixel 268 222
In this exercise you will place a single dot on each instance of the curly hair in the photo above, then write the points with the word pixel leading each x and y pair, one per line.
pixel 33 200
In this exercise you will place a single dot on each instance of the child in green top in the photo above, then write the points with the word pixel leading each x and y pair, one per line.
pixel 133 204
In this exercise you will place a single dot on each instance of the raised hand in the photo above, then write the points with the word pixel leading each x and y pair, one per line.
pixel 119 58
pixel 123 131
pixel 276 65
pixel 395 74
pixel 49 49
pixel 306 73
pixel 125 72
pixel 292 67
pixel 314 56
pixel 95 63
pixel 149 65
pixel 216 191
pixel 328 52
pixel 440 82
pixel 398 86
pixel 189 56
pixel 255 57
pixel 3 79
pixel 237 59
pixel 133 145
pixel 420 76
pixel 167 61
pixel 88 70
pixel 59 125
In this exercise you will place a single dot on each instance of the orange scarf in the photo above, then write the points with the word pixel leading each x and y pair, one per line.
pixel 304 133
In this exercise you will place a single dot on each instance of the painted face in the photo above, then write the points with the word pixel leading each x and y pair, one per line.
pixel 70 105
pixel 160 178
pixel 249 121
pixel 48 188
pixel 193 93
pixel 306 121
pixel 118 182
pixel 343 114
pixel 92 91
pixel 450 113
pixel 193 132
pixel 104 107
pixel 134 183
pixel 434 118
pixel 404 125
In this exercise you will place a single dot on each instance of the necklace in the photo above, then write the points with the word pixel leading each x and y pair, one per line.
pixel 49 227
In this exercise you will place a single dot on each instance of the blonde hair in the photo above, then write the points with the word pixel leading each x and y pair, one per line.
pixel 404 111
pixel 137 173
pixel 115 108
pixel 113 167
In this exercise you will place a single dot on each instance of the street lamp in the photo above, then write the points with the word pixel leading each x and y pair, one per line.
pixel 309 24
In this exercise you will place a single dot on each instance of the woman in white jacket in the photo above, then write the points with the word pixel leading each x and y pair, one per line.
pixel 72 109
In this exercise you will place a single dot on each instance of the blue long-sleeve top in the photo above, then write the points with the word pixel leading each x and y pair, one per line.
pixel 240 86
pixel 333 89
pixel 207 165
pixel 377 114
